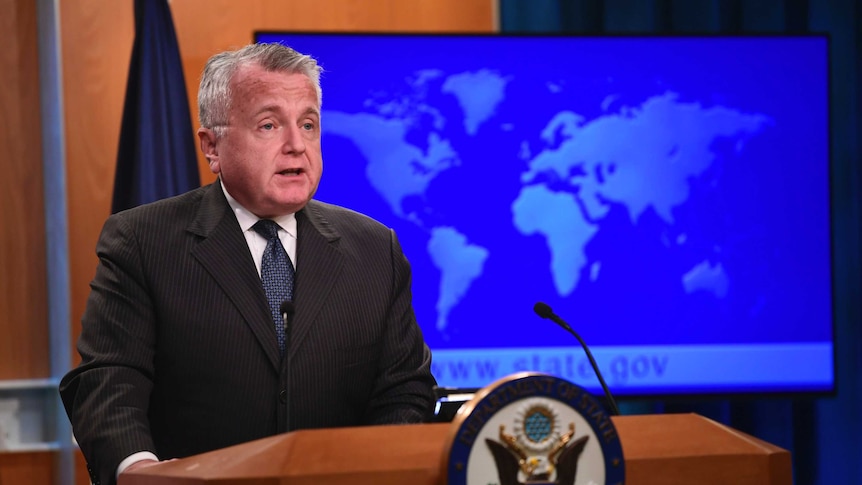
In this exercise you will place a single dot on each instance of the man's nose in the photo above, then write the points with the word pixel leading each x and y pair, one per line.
pixel 294 141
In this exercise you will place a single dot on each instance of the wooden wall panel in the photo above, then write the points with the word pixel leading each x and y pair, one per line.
pixel 23 284
pixel 81 476
pixel 30 468
pixel 96 40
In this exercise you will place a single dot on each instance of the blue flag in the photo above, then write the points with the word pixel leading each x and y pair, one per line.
pixel 156 157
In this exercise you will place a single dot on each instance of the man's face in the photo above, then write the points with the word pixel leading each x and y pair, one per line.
pixel 269 156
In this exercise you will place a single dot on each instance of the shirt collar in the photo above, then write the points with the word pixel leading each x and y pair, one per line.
pixel 247 219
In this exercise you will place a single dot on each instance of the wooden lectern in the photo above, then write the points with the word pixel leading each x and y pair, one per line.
pixel 659 450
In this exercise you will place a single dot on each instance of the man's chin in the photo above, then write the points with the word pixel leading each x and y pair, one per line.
pixel 292 205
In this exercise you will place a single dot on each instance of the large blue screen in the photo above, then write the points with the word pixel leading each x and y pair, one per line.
pixel 668 197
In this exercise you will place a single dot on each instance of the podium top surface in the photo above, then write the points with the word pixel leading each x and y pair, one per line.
pixel 658 450
pixel 670 435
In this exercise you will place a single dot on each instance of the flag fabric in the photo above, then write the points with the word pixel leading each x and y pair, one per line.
pixel 156 156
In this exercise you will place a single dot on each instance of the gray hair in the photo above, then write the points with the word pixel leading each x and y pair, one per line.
pixel 214 95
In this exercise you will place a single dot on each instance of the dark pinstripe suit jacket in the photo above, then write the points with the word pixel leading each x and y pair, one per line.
pixel 179 349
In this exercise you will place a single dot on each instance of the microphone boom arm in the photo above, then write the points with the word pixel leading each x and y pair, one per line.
pixel 545 311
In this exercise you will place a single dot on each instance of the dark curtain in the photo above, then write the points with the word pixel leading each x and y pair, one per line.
pixel 823 433
pixel 156 156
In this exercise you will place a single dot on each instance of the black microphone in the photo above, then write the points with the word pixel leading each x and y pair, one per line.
pixel 287 310
pixel 544 311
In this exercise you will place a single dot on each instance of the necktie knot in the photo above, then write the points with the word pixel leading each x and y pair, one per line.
pixel 266 228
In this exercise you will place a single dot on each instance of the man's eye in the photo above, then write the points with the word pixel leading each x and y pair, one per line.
pixel 308 126
pixel 267 126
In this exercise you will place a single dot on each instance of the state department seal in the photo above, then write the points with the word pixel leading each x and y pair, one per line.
pixel 533 429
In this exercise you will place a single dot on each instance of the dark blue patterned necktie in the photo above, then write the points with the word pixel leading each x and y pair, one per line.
pixel 276 273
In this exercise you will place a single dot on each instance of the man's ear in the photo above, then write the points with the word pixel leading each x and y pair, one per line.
pixel 208 141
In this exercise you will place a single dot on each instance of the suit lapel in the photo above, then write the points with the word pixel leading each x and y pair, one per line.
pixel 319 264
pixel 224 253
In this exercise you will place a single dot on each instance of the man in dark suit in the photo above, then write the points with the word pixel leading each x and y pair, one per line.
pixel 180 347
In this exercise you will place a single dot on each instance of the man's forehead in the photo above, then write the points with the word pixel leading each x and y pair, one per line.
pixel 264 84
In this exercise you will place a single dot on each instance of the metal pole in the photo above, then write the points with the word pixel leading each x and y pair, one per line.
pixel 56 235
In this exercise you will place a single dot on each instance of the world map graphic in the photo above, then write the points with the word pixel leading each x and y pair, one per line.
pixel 570 175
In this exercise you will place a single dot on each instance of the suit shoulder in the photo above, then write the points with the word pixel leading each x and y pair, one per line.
pixel 344 219
pixel 168 209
